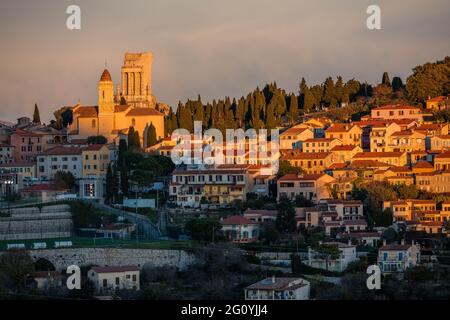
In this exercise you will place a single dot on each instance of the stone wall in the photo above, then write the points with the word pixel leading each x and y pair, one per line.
pixel 62 258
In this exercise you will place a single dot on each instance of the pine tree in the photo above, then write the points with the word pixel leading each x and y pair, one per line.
pixel 151 136
pixel 122 150
pixel 329 95
pixel 136 140
pixel 240 112
pixel 339 89
pixel 36 116
pixel 115 182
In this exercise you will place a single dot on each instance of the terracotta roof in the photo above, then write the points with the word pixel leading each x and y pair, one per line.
pixel 443 155
pixel 337 166
pixel 368 163
pixel 309 155
pixel 359 222
pixel 115 269
pixel 441 136
pixel 400 169
pixel 378 154
pixel 61 151
pixel 94 147
pixel 303 177
pixel 239 220
pixel 106 76
pixel 86 111
pixel 423 164
pixel 24 133
pixel 395 107
pixel 136 112
pixel 293 131
pixel 347 147
pixel 340 127
pixel 395 247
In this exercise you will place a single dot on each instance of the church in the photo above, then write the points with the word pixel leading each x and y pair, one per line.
pixel 132 105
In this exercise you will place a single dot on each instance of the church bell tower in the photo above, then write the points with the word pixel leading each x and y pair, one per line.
pixel 105 105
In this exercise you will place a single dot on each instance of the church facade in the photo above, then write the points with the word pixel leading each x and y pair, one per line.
pixel 132 105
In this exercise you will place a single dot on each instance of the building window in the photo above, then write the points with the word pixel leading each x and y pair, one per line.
pixel 117 281
pixel 105 283
pixel 93 123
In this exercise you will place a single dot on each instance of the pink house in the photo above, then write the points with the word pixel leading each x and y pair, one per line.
pixel 397 112
pixel 27 145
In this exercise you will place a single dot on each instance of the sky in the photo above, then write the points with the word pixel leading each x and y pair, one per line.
pixel 214 48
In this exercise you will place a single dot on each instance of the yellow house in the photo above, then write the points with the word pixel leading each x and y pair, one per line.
pixel 315 162
pixel 320 144
pixel 96 159
pixel 440 143
pixel 406 141
pixel 380 135
pixel 438 103
pixel 347 133
pixel 292 138
pixel 442 161
pixel 392 158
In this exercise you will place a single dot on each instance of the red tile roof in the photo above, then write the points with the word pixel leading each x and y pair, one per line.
pixel 395 107
pixel 378 154
pixel 94 147
pixel 136 112
pixel 61 151
pixel 309 155
pixel 340 127
pixel 346 147
pixel 236 220
pixel 443 155
pixel 86 111
pixel 24 133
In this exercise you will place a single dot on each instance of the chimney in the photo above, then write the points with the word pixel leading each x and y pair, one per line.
pixel 403 241
pixel 273 279
pixel 349 242
pixel 384 242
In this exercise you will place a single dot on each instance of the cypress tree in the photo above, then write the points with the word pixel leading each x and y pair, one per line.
pixel 124 178
pixel 386 81
pixel 151 135
pixel 131 137
pixel 109 185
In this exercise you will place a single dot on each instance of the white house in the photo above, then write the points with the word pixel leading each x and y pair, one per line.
pixel 109 279
pixel 398 257
pixel 347 254
pixel 240 229
pixel 279 289
pixel 60 159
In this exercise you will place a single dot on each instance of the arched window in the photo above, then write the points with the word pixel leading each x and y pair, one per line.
pixel 133 122
pixel 93 123
pixel 103 94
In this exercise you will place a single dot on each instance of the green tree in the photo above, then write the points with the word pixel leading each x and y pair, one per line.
pixel 97 140
pixel 17 266
pixel 328 252
pixel 285 221
pixel 64 179
pixel 36 116
pixel 397 84
pixel 204 230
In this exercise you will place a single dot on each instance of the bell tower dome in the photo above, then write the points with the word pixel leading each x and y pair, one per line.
pixel 105 93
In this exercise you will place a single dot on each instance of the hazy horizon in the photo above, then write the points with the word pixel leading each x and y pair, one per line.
pixel 211 48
